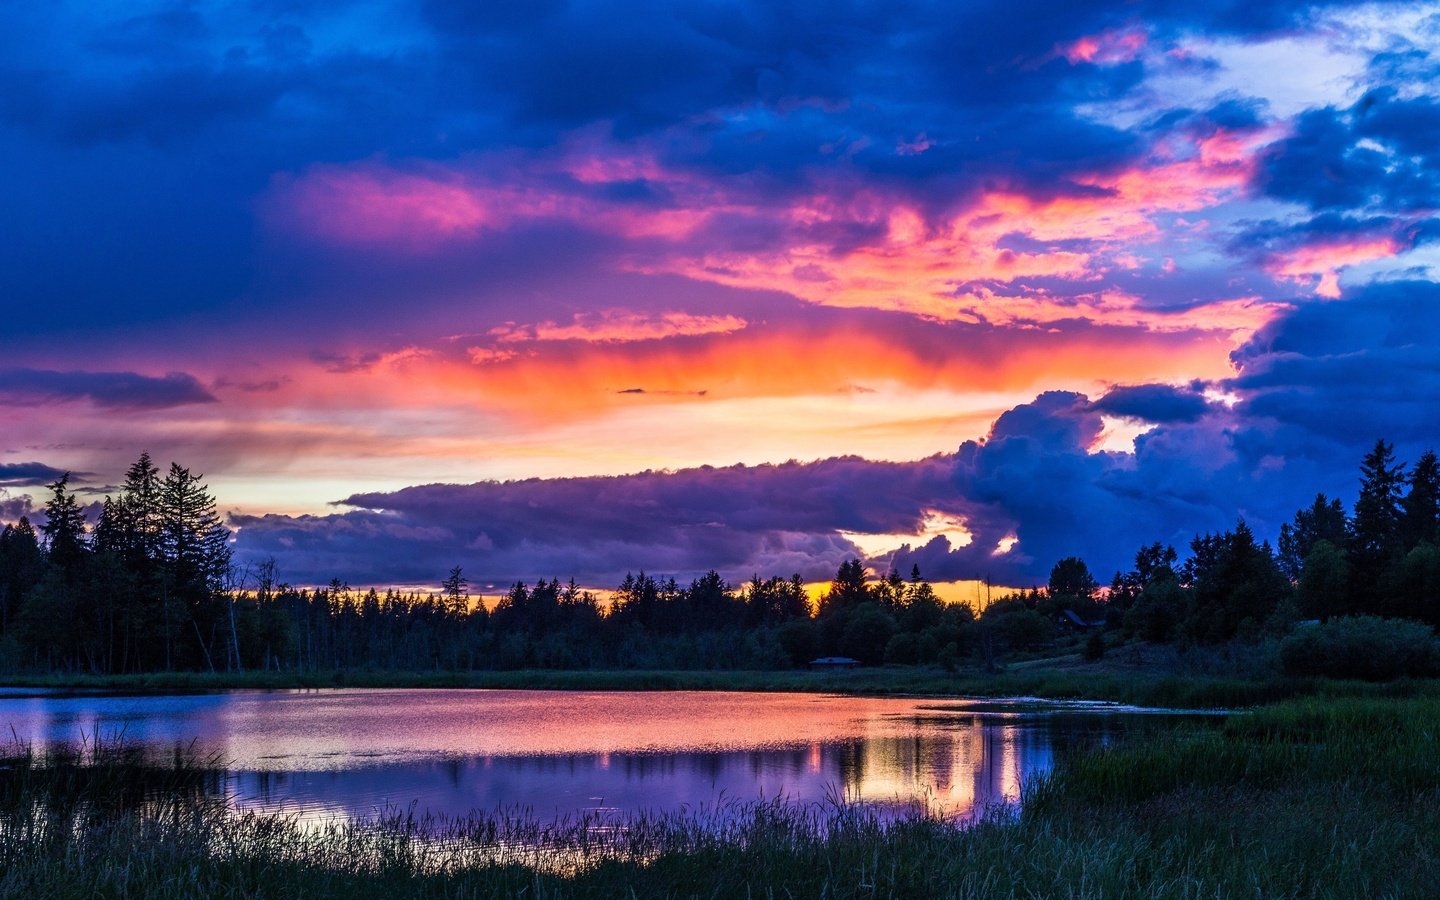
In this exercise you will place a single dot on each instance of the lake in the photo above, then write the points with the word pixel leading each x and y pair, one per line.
pixel 352 753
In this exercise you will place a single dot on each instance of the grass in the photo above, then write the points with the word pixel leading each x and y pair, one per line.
pixel 1046 680
pixel 1316 797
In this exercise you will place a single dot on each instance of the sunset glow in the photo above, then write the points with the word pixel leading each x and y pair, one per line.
pixel 919 283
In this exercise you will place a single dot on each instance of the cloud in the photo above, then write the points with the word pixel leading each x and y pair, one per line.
pixel 1153 403
pixel 107 390
pixel 1382 152
pixel 1036 478
pixel 614 326
pixel 738 519
pixel 12 509
pixel 30 474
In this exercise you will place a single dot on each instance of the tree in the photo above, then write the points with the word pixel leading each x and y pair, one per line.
pixel 1234 584
pixel 847 590
pixel 1375 537
pixel 1420 509
pixel 1412 586
pixel 1324 520
pixel 22 565
pixel 195 553
pixel 64 526
pixel 1070 579
pixel 1324 581
pixel 457 595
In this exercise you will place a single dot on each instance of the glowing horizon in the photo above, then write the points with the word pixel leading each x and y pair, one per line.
pixel 411 284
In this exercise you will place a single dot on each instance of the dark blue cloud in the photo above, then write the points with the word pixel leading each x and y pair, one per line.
pixel 1383 152
pixel 1352 371
pixel 1159 403
pixel 27 474
pixel 110 390
pixel 1316 387
pixel 741 520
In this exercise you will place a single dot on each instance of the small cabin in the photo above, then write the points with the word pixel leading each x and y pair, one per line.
pixel 1069 620
pixel 834 662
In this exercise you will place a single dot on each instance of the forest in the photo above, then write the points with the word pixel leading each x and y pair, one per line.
pixel 150 587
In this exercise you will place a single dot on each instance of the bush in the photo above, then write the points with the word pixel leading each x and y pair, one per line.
pixel 1364 647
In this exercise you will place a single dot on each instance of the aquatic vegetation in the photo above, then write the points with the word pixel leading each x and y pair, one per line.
pixel 1320 797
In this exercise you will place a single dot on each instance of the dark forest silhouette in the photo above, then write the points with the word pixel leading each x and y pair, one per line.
pixel 150 587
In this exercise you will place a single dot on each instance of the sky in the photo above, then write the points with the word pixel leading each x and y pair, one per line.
pixel 554 288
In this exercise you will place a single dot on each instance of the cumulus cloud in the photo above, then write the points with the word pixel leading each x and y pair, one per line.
pixel 13 508
pixel 988 197
pixel 1154 403
pixel 1034 478
pixel 738 519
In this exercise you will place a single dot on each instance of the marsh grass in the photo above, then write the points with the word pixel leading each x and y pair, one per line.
pixel 1319 797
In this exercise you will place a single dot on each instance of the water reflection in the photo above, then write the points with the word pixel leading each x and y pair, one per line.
pixel 356 752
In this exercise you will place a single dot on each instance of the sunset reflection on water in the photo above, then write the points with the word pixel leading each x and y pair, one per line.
pixel 448 752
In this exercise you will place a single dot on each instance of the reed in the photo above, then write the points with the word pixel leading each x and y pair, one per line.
pixel 1317 797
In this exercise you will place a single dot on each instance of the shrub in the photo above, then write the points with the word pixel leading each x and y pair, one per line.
pixel 1364 647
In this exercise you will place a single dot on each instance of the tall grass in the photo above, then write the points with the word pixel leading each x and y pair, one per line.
pixel 1310 798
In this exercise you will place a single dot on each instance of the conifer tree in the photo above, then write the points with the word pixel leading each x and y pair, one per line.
pixel 1375 535
pixel 64 527
pixel 1420 510
pixel 1324 520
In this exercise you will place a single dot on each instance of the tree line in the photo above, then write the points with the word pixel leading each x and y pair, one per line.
pixel 151 587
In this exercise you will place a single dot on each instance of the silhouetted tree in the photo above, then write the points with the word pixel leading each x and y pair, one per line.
pixel 1420 509
pixel 1375 536
pixel 456 590
pixel 64 528
pixel 1324 581
pixel 847 590
pixel 1324 520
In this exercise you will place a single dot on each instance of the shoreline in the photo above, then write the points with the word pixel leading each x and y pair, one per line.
pixel 1137 688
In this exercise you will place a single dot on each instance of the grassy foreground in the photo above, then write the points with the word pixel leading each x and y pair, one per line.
pixel 1335 797
pixel 1064 681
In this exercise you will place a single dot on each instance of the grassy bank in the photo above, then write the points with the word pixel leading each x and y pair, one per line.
pixel 1309 798
pixel 1138 687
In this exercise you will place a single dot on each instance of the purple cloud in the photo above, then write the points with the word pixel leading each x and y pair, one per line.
pixel 28 474
pixel 110 390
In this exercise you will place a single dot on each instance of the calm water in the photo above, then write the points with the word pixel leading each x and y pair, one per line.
pixel 355 752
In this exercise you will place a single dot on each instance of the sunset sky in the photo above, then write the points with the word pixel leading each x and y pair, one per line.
pixel 555 288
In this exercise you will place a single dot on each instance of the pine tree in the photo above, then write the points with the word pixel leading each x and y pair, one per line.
pixel 193 542
pixel 1324 520
pixel 64 527
pixel 457 595
pixel 22 565
pixel 195 554
pixel 1375 536
pixel 848 589
pixel 1420 510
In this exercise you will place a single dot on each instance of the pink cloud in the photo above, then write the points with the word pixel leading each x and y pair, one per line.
pixel 617 326
pixel 918 261
pixel 1106 48
pixel 1322 262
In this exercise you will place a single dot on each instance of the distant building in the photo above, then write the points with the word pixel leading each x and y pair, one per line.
pixel 1069 620
pixel 834 662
